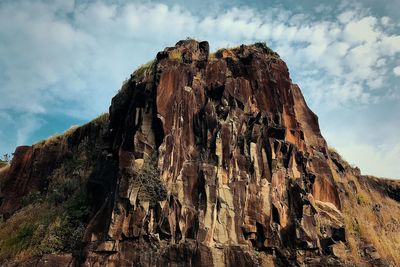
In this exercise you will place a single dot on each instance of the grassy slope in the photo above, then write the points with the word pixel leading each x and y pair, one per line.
pixel 372 218
pixel 53 221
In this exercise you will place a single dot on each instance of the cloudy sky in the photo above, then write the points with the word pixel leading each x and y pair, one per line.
pixel 62 61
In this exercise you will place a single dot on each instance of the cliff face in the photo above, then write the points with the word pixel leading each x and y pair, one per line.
pixel 207 160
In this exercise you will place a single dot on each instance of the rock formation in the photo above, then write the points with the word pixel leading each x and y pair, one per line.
pixel 204 160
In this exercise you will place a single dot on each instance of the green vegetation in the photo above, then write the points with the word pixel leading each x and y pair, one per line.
pixel 228 49
pixel 56 137
pixel 356 228
pixel 32 197
pixel 269 51
pixel 152 188
pixel 138 73
pixel 44 228
pixel 5 160
pixel 65 230
pixel 16 235
pixel 362 199
pixel 52 221
pixel 18 240
pixel 102 119
pixel 4 167
pixel 143 68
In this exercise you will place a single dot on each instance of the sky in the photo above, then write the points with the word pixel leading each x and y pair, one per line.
pixel 62 61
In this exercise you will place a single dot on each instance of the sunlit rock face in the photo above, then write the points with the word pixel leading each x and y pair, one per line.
pixel 208 160
pixel 241 157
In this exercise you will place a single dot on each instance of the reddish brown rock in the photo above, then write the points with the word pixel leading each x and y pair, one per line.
pixel 233 139
pixel 216 161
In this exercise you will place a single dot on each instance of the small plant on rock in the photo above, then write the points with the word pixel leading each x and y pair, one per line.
pixel 151 187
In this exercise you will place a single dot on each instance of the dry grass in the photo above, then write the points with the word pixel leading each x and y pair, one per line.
pixel 175 55
pixel 124 87
pixel 232 51
pixel 16 235
pixel 142 69
pixel 368 225
pixel 71 130
pixel 101 119
pixel 139 73
pixel 353 245
pixel 3 174
pixel 212 57
pixel 52 222
pixel 363 199
pixel 334 153
pixel 371 218
pixel 332 149
pixel 39 229
pixel 225 52
pixel 3 170
pixel 57 137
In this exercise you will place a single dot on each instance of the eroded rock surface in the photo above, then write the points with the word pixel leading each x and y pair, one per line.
pixel 220 163
pixel 241 157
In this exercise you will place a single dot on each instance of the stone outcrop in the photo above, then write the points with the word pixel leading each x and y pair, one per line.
pixel 32 165
pixel 216 160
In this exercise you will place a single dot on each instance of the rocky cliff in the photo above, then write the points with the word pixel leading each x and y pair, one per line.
pixel 204 160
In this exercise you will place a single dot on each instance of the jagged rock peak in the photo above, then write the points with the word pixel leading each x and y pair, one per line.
pixel 239 152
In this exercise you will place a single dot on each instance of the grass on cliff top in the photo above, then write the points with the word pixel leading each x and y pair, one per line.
pixel 57 137
pixel 5 160
pixel 3 173
pixel 261 45
pixel 143 68
pixel 3 164
pixel 101 119
pixel 139 72
pixel 4 167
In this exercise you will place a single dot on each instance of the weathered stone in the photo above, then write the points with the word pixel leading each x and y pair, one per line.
pixel 249 179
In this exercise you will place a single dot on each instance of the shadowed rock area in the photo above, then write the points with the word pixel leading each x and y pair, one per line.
pixel 204 160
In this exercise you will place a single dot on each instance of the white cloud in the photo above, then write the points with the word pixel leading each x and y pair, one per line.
pixel 379 160
pixel 28 125
pixel 396 71
pixel 70 57
pixel 391 44
pixel 346 16
pixel 361 30
pixel 385 21
pixel 67 55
